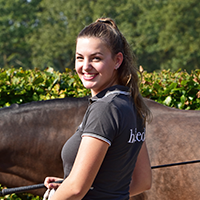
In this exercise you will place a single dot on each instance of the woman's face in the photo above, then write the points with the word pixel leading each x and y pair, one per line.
pixel 95 65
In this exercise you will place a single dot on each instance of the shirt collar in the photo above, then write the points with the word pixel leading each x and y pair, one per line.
pixel 105 92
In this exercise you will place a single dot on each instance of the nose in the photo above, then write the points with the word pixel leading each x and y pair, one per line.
pixel 86 65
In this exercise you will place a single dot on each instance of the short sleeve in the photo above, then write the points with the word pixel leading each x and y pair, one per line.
pixel 102 121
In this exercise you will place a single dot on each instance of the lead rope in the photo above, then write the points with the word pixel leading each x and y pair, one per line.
pixel 175 164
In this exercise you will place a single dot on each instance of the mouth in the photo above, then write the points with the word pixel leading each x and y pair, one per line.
pixel 89 76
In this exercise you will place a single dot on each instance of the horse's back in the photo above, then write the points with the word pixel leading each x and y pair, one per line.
pixel 174 136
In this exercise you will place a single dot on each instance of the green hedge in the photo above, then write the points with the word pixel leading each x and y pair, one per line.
pixel 19 86
pixel 175 89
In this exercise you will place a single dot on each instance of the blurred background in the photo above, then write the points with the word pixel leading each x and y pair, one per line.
pixel 164 34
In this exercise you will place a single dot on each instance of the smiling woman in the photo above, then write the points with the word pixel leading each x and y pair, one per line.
pixel 102 160
pixel 95 65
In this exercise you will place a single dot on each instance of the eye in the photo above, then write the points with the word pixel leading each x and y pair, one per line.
pixel 96 58
pixel 79 58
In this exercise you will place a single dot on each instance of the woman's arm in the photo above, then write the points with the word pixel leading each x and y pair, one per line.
pixel 142 177
pixel 86 166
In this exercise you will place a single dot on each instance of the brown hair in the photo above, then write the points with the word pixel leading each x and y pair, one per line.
pixel 107 30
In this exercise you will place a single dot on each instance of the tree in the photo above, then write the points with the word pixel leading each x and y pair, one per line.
pixel 53 42
pixel 164 34
pixel 16 21
pixel 168 34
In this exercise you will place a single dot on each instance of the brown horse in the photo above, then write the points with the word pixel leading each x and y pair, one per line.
pixel 32 136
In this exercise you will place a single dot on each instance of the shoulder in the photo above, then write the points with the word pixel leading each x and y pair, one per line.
pixel 110 104
pixel 103 107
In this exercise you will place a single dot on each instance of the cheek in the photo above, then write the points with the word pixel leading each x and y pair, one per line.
pixel 77 67
pixel 108 69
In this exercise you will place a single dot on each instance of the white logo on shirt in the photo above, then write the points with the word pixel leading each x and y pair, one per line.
pixel 137 136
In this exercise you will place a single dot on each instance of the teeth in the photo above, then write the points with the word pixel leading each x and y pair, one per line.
pixel 89 75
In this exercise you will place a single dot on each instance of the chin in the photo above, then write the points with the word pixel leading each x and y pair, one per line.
pixel 88 86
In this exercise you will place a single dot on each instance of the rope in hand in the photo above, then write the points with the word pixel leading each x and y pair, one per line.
pixel 38 186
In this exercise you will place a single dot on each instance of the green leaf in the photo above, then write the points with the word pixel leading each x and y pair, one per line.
pixel 167 100
pixel 38 80
pixel 183 98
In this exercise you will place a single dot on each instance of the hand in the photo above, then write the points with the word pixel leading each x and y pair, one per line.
pixel 48 182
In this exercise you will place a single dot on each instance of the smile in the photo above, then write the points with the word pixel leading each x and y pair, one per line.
pixel 89 76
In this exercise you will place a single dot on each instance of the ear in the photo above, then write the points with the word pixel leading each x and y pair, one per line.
pixel 118 60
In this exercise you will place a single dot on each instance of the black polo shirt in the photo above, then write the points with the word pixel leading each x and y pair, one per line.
pixel 111 117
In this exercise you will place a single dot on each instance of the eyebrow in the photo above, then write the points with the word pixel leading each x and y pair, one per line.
pixel 91 54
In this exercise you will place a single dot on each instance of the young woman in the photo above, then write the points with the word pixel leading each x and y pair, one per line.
pixel 107 157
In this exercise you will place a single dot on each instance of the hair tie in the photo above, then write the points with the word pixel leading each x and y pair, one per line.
pixel 106 21
pixel 129 78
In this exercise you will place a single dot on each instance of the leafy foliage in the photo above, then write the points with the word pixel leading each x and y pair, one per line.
pixel 174 89
pixel 22 86
pixel 53 40
pixel 168 34
pixel 42 33
pixel 17 20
